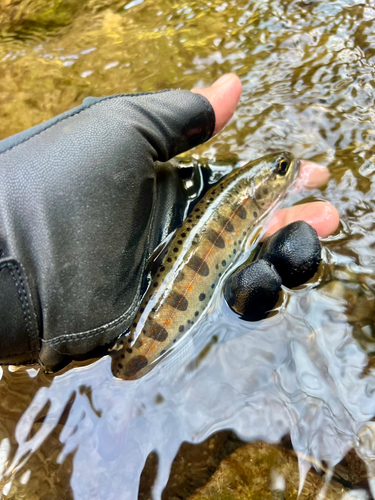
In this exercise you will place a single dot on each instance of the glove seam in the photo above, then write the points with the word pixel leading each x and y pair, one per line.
pixel 118 96
pixel 24 302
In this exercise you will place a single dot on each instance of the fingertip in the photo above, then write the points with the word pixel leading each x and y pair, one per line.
pixel 322 216
pixel 223 96
pixel 312 175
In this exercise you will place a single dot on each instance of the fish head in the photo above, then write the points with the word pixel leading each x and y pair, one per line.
pixel 274 176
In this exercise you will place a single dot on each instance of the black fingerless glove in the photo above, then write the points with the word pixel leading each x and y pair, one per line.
pixel 77 206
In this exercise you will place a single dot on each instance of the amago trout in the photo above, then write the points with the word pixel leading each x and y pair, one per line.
pixel 208 241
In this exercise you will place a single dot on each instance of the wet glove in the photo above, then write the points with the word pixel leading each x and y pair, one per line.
pixel 79 218
pixel 289 257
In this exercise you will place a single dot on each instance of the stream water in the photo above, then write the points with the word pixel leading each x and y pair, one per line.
pixel 307 69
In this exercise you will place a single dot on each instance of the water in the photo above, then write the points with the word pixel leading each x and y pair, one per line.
pixel 307 69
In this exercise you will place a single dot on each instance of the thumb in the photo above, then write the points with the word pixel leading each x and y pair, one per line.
pixel 223 96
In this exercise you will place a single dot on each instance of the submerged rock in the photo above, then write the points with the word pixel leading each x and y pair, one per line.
pixel 265 472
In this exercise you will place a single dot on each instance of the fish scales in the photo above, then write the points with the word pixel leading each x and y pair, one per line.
pixel 207 243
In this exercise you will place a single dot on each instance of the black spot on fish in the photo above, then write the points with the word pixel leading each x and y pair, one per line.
pixel 189 221
pixel 197 210
pixel 241 212
pixel 134 325
pixel 234 251
pixel 135 365
pixel 202 296
pixel 141 309
pixel 130 340
pixel 155 284
pixel 177 301
pixel 122 356
pixel 174 340
pixel 224 263
pixel 196 313
pixel 220 274
pixel 175 249
pixel 169 259
pixel 162 269
pixel 211 199
pixel 213 285
pixel 198 216
pixel 179 242
pixel 255 214
pixel 215 238
pixel 265 191
pixel 130 350
pixel 158 275
pixel 181 328
pixel 217 266
pixel 183 235
pixel 156 332
pixel 198 265
pixel 163 352
pixel 120 366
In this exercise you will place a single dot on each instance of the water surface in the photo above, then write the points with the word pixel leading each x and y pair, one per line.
pixel 307 69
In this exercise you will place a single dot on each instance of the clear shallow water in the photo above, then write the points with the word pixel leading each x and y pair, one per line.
pixel 308 75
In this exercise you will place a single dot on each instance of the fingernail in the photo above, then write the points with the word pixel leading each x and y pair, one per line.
pixel 222 79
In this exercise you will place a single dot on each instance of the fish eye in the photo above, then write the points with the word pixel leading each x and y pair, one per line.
pixel 282 165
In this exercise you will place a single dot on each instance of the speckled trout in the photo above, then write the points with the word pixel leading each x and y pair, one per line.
pixel 209 240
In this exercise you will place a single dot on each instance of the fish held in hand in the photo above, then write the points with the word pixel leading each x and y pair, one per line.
pixel 209 240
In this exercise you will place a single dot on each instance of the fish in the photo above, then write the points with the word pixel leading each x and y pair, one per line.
pixel 210 239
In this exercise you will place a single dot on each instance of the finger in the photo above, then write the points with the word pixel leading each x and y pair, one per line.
pixel 322 216
pixel 223 96
pixel 311 176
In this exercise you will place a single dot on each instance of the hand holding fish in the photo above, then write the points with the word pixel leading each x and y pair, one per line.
pixel 77 215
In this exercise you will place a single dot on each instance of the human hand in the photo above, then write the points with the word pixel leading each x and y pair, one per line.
pixel 77 203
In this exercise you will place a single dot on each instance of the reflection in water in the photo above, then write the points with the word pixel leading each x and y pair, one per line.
pixel 307 69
